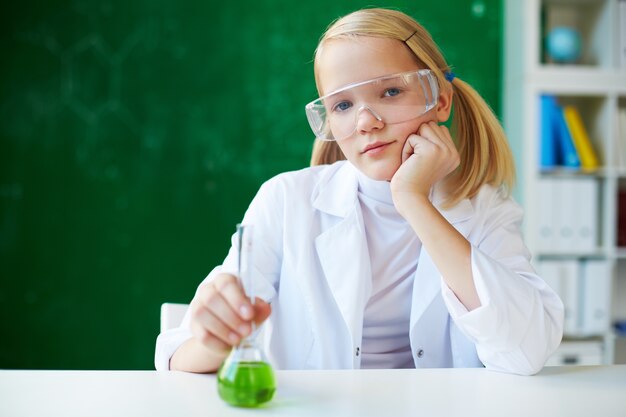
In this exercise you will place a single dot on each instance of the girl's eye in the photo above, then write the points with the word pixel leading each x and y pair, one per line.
pixel 342 106
pixel 391 92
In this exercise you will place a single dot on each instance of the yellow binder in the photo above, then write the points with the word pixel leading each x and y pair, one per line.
pixel 588 157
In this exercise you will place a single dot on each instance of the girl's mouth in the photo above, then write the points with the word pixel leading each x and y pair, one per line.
pixel 376 147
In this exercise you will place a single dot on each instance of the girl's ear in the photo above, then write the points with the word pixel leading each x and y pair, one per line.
pixel 444 105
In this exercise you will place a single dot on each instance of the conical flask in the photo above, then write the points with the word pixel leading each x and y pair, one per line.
pixel 246 378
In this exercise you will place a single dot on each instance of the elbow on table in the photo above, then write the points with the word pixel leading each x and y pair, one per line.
pixel 518 366
pixel 528 358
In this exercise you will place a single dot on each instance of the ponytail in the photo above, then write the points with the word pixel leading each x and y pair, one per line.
pixel 485 155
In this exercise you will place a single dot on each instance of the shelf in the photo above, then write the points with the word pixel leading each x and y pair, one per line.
pixel 618 253
pixel 598 254
pixel 571 215
pixel 620 172
pixel 572 2
pixel 601 173
pixel 564 172
pixel 578 80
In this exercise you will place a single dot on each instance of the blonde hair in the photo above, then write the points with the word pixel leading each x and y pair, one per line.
pixel 483 147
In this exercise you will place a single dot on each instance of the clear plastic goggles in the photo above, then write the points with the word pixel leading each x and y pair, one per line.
pixel 391 99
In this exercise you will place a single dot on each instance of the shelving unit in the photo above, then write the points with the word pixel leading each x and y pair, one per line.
pixel 596 85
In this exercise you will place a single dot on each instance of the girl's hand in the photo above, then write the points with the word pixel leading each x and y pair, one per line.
pixel 427 157
pixel 221 313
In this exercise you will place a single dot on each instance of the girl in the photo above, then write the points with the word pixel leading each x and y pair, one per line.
pixel 408 254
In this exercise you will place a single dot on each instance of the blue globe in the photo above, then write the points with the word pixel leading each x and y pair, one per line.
pixel 563 44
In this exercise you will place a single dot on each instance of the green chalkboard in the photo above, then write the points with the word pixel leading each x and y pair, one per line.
pixel 132 137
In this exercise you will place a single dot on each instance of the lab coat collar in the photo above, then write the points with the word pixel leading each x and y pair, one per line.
pixel 337 194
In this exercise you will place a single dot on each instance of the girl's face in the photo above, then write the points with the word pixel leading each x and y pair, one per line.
pixel 375 148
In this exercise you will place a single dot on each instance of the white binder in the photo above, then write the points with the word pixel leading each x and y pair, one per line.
pixel 583 197
pixel 566 214
pixel 596 297
pixel 568 218
pixel 563 277
pixel 546 236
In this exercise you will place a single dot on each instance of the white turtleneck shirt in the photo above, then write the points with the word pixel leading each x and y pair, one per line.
pixel 394 250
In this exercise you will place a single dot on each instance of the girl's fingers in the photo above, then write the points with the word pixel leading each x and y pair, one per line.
pixel 431 132
pixel 418 144
pixel 223 311
pixel 224 298
pixel 211 332
pixel 438 134
pixel 231 291
pixel 409 147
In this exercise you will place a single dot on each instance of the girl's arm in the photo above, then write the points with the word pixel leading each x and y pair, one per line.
pixel 193 356
pixel 449 250
pixel 427 158
pixel 491 291
pixel 215 320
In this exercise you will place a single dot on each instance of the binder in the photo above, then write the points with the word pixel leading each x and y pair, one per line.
pixel 581 211
pixel 568 218
pixel 596 297
pixel 580 138
pixel 565 145
pixel 621 218
pixel 546 236
pixel 548 157
pixel 566 215
pixel 563 277
pixel 620 151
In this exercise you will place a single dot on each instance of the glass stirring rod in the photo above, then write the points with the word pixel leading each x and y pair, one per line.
pixel 246 379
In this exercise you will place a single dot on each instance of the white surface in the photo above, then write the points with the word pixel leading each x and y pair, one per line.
pixel 557 391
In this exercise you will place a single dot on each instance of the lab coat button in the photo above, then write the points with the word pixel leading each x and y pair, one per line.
pixel 358 350
pixel 420 353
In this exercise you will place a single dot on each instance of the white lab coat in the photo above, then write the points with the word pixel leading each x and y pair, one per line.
pixel 312 264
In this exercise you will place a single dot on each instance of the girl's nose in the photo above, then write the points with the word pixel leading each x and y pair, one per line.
pixel 368 120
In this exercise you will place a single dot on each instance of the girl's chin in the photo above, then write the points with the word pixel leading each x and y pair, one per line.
pixel 379 174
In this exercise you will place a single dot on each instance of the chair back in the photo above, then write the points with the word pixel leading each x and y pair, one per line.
pixel 172 315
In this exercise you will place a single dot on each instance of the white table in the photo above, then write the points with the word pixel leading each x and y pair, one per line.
pixel 557 391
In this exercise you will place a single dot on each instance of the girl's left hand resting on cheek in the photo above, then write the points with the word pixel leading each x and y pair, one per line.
pixel 427 157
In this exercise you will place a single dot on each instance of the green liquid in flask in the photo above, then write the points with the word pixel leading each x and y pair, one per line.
pixel 246 384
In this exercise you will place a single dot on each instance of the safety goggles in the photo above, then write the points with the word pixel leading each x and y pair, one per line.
pixel 391 99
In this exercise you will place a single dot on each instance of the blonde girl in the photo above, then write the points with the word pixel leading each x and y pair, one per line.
pixel 400 247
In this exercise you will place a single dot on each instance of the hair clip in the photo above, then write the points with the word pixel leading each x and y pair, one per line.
pixel 410 36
